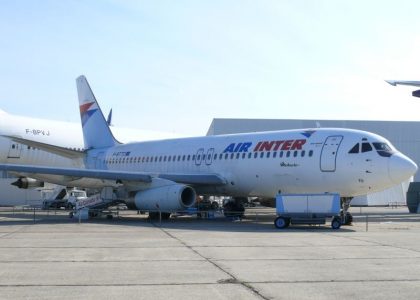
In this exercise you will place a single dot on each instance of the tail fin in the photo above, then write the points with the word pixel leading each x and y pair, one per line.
pixel 96 132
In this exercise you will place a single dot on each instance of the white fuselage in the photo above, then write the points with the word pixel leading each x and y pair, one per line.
pixel 263 164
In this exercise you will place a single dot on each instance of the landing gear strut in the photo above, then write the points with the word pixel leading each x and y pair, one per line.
pixel 235 207
pixel 346 217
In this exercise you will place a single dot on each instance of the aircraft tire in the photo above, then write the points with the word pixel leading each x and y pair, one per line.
pixel 348 219
pixel 233 209
pixel 214 205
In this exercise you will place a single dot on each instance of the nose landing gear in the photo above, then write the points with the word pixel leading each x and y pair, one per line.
pixel 346 216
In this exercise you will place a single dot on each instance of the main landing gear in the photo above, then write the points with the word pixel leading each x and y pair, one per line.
pixel 346 217
pixel 235 208
pixel 154 216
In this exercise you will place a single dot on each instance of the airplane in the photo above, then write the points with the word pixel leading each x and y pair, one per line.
pixel 406 82
pixel 166 175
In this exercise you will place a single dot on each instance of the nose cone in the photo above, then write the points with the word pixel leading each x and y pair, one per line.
pixel 401 168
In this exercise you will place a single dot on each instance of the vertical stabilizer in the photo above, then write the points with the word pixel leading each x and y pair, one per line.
pixel 96 132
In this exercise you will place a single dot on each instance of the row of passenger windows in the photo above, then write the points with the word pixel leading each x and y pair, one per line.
pixel 208 157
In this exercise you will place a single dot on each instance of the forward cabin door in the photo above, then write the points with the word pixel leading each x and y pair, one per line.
pixel 329 153
pixel 14 150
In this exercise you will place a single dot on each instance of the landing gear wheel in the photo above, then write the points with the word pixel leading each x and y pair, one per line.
pixel 214 205
pixel 166 216
pixel 71 215
pixel 155 216
pixel 281 222
pixel 234 209
pixel 109 217
pixel 336 223
pixel 347 218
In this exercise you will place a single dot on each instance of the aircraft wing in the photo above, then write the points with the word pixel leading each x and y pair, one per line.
pixel 193 179
pixel 403 82
pixel 69 153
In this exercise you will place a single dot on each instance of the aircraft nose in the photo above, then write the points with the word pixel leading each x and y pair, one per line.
pixel 401 168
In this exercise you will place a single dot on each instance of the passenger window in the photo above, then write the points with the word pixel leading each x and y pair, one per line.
pixel 220 156
pixel 262 155
pixel 355 149
pixel 188 157
pixel 268 154
pixel 193 157
pixel 295 153
pixel 226 156
pixel 215 157
pixel 366 147
pixel 237 155
pixel 232 155
pixel 169 158
pixel 243 155
pixel 311 152
pixel 303 153
pixel 287 153
pixel 274 154
pixel 255 155
pixel 249 155
pixel 281 154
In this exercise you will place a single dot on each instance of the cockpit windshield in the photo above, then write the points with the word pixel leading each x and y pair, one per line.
pixel 383 149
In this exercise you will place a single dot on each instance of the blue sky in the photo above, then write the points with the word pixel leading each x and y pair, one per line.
pixel 175 65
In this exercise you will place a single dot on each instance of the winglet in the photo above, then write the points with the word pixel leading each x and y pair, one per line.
pixel 96 132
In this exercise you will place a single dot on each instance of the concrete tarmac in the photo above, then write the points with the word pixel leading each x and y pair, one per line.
pixel 54 257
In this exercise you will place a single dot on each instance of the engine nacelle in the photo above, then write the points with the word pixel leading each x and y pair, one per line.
pixel 416 93
pixel 27 183
pixel 170 198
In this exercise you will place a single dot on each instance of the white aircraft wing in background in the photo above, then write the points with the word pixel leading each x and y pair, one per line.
pixel 403 82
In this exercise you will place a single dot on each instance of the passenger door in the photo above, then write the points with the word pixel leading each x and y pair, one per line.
pixel 14 150
pixel 329 153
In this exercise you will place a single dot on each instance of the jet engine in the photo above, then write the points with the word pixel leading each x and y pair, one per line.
pixel 27 183
pixel 170 198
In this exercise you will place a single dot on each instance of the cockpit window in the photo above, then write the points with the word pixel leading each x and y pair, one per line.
pixel 355 149
pixel 366 147
pixel 383 149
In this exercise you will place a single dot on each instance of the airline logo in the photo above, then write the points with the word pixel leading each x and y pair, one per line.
pixel 87 110
pixel 266 146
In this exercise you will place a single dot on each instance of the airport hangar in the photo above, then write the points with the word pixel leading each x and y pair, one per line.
pixel 404 135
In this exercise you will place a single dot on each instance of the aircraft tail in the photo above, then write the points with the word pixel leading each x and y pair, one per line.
pixel 96 132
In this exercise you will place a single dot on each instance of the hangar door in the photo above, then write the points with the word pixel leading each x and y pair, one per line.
pixel 329 153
